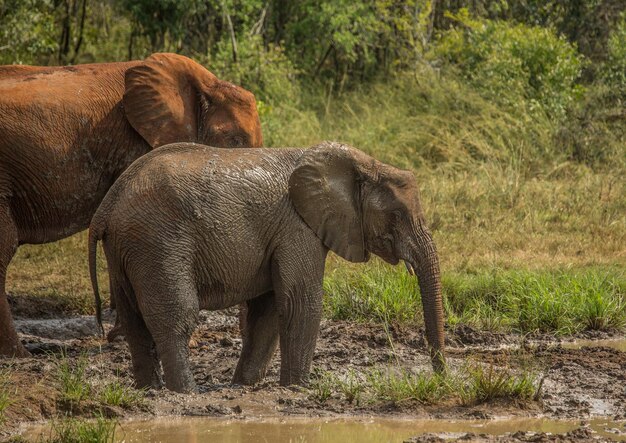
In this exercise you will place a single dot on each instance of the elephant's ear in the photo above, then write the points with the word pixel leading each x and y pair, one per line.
pixel 325 188
pixel 161 98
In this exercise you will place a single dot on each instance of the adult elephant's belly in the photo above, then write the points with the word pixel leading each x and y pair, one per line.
pixel 54 198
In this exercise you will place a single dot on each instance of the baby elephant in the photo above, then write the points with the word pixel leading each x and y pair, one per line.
pixel 189 227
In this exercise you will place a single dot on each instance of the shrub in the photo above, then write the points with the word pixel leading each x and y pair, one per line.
pixel 614 70
pixel 511 61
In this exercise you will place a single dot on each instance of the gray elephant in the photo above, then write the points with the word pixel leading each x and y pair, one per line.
pixel 191 227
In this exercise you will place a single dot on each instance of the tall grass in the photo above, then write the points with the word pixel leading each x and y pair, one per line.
pixel 556 301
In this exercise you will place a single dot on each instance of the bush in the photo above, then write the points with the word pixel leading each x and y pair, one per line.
pixel 507 62
pixel 613 72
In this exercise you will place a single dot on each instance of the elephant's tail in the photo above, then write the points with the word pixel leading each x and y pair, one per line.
pixel 94 236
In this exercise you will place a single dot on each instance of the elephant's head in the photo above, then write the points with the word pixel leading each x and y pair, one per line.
pixel 170 98
pixel 357 205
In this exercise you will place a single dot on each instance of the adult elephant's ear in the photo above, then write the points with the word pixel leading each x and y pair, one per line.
pixel 325 188
pixel 161 98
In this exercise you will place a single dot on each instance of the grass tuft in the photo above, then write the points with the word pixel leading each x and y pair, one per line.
pixel 73 385
pixel 399 386
pixel 5 392
pixel 486 383
pixel 321 385
pixel 120 394
pixel 72 430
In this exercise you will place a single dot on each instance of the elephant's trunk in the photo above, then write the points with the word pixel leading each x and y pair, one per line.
pixel 426 266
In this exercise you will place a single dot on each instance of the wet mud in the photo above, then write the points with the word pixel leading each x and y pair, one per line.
pixel 579 382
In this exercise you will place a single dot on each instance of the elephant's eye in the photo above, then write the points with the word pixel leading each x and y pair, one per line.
pixel 237 141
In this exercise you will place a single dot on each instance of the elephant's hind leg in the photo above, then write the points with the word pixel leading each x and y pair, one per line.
pixel 260 339
pixel 171 325
pixel 9 342
pixel 146 367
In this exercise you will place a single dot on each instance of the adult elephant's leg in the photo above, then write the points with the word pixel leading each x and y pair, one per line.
pixel 260 339
pixel 9 342
pixel 171 325
pixel 146 368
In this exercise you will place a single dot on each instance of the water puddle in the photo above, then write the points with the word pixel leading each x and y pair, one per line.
pixel 614 343
pixel 373 430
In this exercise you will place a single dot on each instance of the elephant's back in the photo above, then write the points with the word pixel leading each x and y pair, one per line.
pixel 205 164
pixel 58 87
pixel 182 176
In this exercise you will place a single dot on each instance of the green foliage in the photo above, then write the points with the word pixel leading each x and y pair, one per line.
pixel 416 121
pixel 27 31
pixel 614 69
pixel 156 18
pixel 122 394
pixel 560 302
pixel 371 295
pixel 321 385
pixel 73 384
pixel 486 383
pixel 472 384
pixel 352 387
pixel 73 430
pixel 399 386
pixel 5 392
pixel 266 70
pixel 511 62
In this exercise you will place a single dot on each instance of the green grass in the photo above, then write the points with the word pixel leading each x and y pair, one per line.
pixel 5 392
pixel 398 386
pixel 72 430
pixel 486 383
pixel 117 393
pixel 561 301
pixel 472 384
pixel 74 386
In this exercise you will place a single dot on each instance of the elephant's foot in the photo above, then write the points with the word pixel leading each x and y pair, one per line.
pixel 115 333
pixel 293 380
pixel 11 347
pixel 247 378
pixel 182 385
pixel 152 382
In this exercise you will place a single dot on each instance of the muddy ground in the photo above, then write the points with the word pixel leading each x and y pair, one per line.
pixel 577 383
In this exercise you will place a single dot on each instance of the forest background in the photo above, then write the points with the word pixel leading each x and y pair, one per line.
pixel 511 113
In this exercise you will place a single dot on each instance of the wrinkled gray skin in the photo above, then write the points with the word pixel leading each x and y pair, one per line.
pixel 190 227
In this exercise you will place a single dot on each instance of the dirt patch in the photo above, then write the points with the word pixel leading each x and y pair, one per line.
pixel 578 383
pixel 581 434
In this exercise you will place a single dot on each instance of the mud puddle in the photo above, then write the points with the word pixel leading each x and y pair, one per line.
pixel 365 430
pixel 579 383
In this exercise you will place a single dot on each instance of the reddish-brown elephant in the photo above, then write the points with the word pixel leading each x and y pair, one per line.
pixel 67 133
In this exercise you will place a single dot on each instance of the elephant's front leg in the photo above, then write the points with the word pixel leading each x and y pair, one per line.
pixel 260 339
pixel 299 325
pixel 10 345
pixel 298 287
